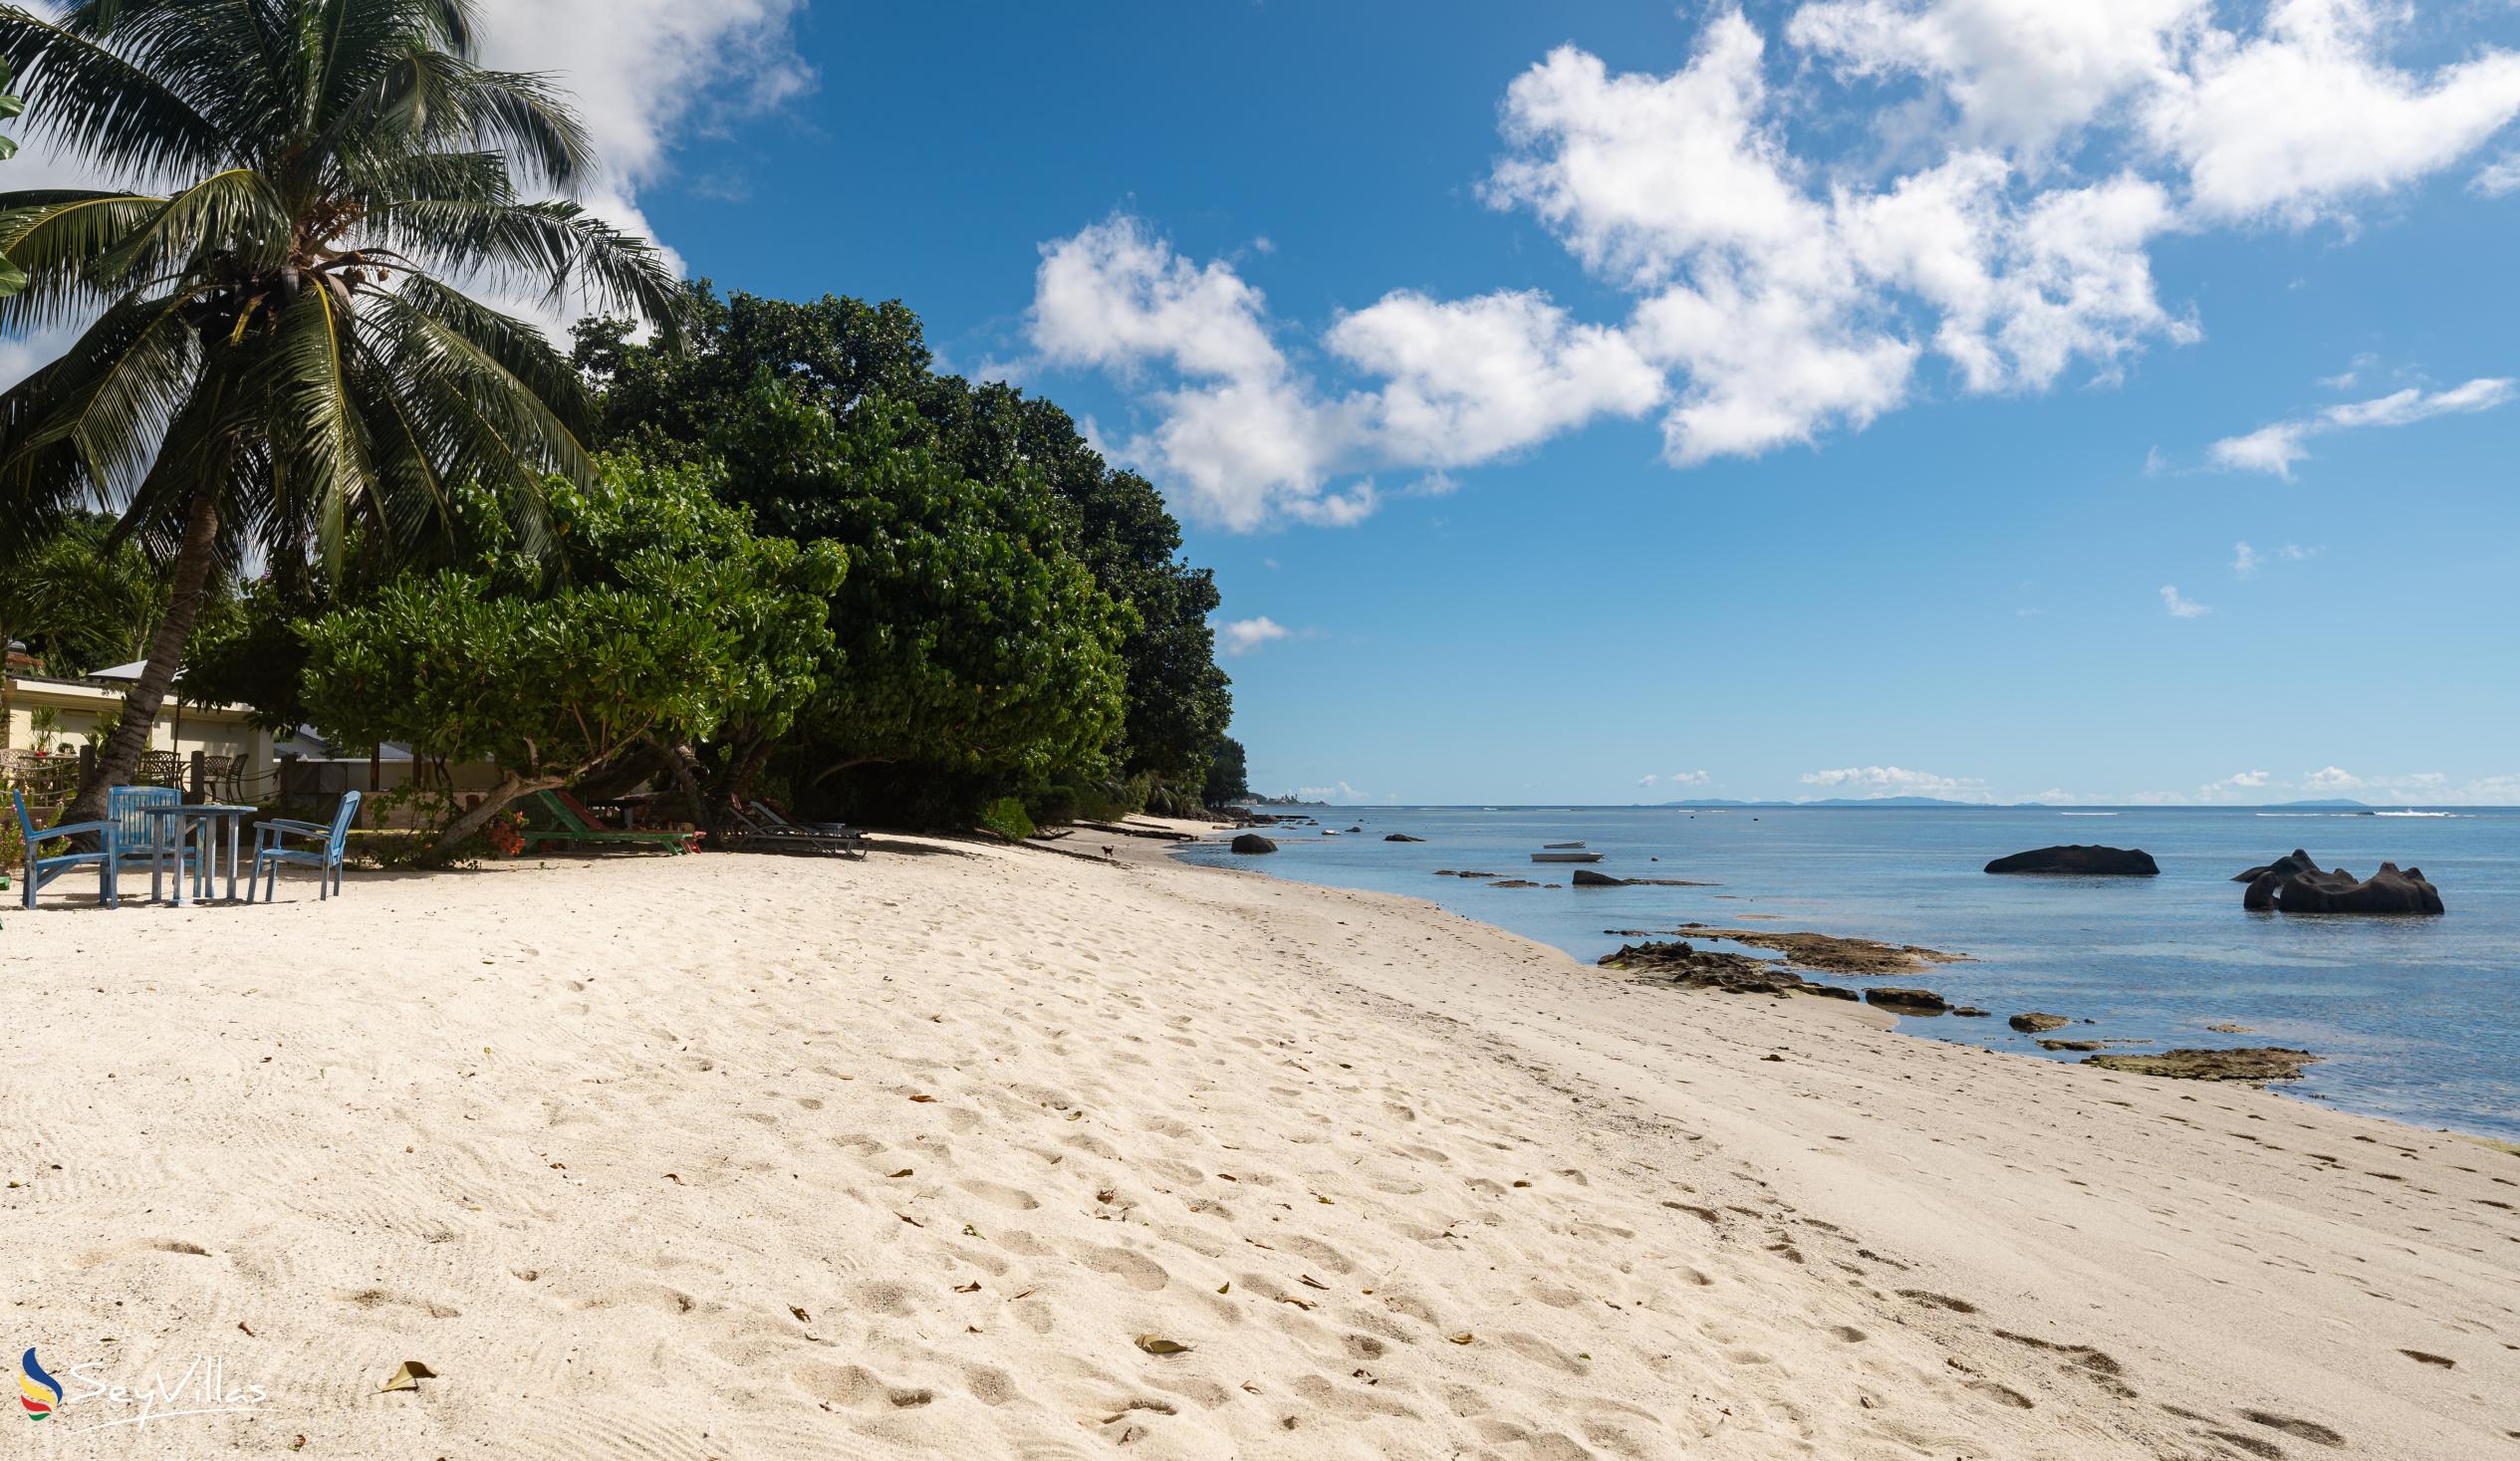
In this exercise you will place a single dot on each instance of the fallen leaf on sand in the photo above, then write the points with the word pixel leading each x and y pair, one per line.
pixel 903 1172
pixel 674 1177
pixel 801 1316
pixel 248 1329
pixel 408 1377
pixel 1226 1286
pixel 923 1099
pixel 1309 1282
pixel 1464 1338
pixel 966 1288
pixel 913 1222
pixel 1158 1344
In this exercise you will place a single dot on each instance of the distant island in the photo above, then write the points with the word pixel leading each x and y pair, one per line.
pixel 1289 800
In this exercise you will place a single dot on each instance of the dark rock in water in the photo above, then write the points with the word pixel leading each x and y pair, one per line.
pixel 2091 861
pixel 2069 1045
pixel 1401 837
pixel 2385 892
pixel 1356 829
pixel 1828 991
pixel 2035 1023
pixel 1448 872
pixel 1515 883
pixel 1587 877
pixel 2295 862
pixel 1973 1012
pixel 2255 1063
pixel 1908 999
pixel 1253 843
pixel 2232 1030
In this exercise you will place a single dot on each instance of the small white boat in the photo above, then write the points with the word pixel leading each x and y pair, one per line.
pixel 1566 856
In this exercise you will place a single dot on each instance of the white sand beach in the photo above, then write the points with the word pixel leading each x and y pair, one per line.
pixel 750 1157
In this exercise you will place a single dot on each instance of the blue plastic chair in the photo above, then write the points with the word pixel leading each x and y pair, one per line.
pixel 325 857
pixel 41 870
pixel 141 838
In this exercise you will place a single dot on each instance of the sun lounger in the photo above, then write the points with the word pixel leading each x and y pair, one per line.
pixel 774 834
pixel 558 818
pixel 777 819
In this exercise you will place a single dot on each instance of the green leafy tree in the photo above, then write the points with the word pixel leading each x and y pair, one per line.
pixel 1228 780
pixel 841 354
pixel 277 354
pixel 665 621
pixel 81 598
pixel 972 640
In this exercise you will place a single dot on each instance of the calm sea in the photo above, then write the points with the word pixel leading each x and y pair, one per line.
pixel 2418 1018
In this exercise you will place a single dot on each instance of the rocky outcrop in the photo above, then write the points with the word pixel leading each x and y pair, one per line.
pixel 2296 862
pixel 1448 872
pixel 1401 837
pixel 1253 844
pixel 2069 1045
pixel 1973 1012
pixel 2253 1063
pixel 1917 1001
pixel 1587 877
pixel 2035 1023
pixel 2093 862
pixel 1695 968
pixel 2295 886
pixel 1830 954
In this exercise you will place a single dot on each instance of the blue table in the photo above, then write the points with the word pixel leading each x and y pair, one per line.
pixel 202 824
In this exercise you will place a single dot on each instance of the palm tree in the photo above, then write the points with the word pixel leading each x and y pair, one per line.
pixel 283 355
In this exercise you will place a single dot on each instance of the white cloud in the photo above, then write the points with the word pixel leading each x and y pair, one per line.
pixel 1340 792
pixel 2331 778
pixel 2244 562
pixel 1891 781
pixel 1243 635
pixel 2030 154
pixel 2022 73
pixel 1687 778
pixel 2243 781
pixel 2308 114
pixel 2500 177
pixel 2180 607
pixel 2294 552
pixel 2276 447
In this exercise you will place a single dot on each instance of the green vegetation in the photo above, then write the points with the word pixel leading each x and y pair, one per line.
pixel 734 545
pixel 276 356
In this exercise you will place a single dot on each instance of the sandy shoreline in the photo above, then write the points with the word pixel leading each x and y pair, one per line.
pixel 632 1155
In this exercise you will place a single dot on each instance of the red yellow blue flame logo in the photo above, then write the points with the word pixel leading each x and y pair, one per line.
pixel 38 1392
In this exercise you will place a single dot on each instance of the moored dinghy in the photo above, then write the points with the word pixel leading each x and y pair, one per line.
pixel 1563 857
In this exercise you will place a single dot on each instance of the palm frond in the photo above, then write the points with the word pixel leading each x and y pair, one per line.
pixel 233 213
pixel 58 237
pixel 91 422
pixel 552 247
pixel 101 105
pixel 313 425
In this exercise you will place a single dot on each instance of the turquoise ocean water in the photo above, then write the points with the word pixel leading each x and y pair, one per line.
pixel 2418 1018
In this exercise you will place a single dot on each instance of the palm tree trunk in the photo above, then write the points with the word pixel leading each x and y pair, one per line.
pixel 121 756
pixel 495 800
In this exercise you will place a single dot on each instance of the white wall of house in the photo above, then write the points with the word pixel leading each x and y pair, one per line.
pixel 77 705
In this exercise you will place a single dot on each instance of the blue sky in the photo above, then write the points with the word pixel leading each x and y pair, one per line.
pixel 1846 397
pixel 1640 344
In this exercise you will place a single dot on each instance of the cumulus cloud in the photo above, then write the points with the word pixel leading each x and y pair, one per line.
pixel 1891 781
pixel 2179 606
pixel 2274 449
pixel 1241 438
pixel 2243 781
pixel 2244 560
pixel 1244 636
pixel 1772 296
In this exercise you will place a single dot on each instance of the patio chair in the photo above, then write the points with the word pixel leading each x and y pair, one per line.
pixel 160 769
pixel 141 838
pixel 41 869
pixel 750 835
pixel 331 843
pixel 228 781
